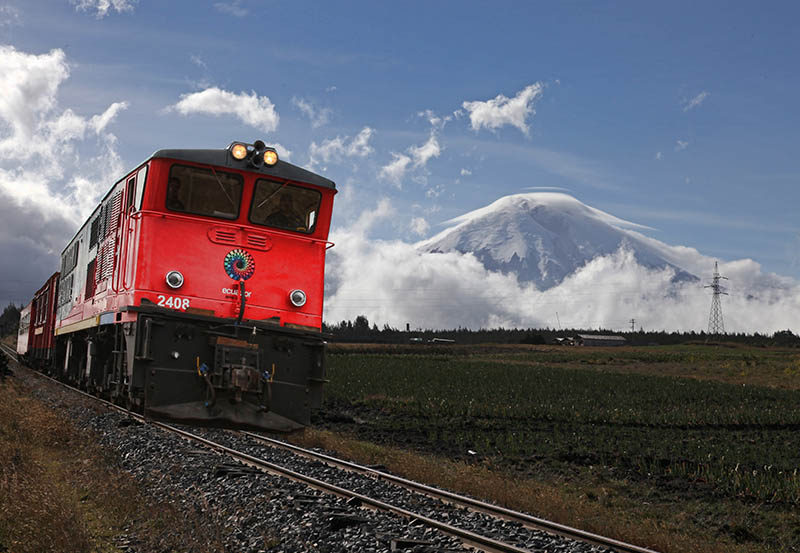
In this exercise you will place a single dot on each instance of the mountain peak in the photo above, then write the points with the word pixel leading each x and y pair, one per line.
pixel 542 237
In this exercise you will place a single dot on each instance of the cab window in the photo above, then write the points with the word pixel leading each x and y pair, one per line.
pixel 202 191
pixel 285 206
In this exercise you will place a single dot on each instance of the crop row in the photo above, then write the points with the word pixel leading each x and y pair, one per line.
pixel 475 388
pixel 740 441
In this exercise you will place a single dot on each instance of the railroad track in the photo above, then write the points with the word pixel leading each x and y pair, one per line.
pixel 468 537
pixel 525 519
pixel 8 351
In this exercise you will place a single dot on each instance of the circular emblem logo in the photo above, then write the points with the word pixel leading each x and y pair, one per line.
pixel 239 265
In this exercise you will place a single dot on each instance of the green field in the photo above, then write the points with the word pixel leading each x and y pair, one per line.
pixel 716 426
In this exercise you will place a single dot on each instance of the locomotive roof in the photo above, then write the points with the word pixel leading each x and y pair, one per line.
pixel 282 169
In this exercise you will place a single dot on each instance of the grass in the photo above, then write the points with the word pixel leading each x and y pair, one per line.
pixel 728 363
pixel 599 509
pixel 60 492
pixel 704 459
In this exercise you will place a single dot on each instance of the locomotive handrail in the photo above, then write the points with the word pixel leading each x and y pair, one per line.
pixel 117 274
pixel 125 284
pixel 123 250
pixel 114 270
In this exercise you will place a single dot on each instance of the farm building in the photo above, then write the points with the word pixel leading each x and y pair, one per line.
pixel 597 340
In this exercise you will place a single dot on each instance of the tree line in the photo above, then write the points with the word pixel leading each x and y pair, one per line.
pixel 360 330
pixel 9 320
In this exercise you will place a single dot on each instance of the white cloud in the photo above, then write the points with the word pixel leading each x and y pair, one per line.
pixel 46 191
pixel 234 8
pixel 436 121
pixel 283 151
pixel 419 226
pixel 681 145
pixel 501 111
pixel 658 155
pixel 465 172
pixel 331 89
pixel 29 88
pixel 335 150
pixel 422 154
pixel 396 169
pixel 417 158
pixel 256 111
pixel 28 110
pixel 317 116
pixel 198 61
pixel 102 7
pixel 98 123
pixel 696 101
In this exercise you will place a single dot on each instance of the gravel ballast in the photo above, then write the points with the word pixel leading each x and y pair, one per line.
pixel 252 511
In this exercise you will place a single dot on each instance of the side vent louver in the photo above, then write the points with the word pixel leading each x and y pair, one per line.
pixel 236 237
pixel 108 223
pixel 259 241
pixel 223 235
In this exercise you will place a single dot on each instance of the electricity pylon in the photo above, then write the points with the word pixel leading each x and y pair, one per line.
pixel 715 323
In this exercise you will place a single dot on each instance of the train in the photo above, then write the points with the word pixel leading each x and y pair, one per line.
pixel 194 292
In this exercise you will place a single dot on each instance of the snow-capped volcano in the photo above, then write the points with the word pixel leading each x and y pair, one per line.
pixel 543 237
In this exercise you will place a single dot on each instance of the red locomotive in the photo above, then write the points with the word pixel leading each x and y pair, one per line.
pixel 194 291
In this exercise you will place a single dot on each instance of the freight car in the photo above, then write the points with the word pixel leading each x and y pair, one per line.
pixel 194 291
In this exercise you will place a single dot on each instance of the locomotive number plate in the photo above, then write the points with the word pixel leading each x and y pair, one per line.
pixel 173 302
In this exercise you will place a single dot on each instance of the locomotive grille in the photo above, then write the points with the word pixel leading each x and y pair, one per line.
pixel 223 235
pixel 258 241
pixel 116 210
pixel 235 237
pixel 109 217
pixel 65 290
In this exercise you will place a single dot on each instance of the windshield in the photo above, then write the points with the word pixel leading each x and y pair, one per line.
pixel 285 206
pixel 204 192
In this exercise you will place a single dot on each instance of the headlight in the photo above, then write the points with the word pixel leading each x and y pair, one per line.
pixel 174 279
pixel 298 298
pixel 239 151
pixel 270 157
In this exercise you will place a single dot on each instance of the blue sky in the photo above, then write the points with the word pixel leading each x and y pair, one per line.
pixel 680 116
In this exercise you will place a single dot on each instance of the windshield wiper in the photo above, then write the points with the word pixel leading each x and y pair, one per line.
pixel 268 198
pixel 233 204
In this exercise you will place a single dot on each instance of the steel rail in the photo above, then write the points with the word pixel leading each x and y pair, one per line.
pixel 470 538
pixel 474 504
pixel 467 537
pixel 10 352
